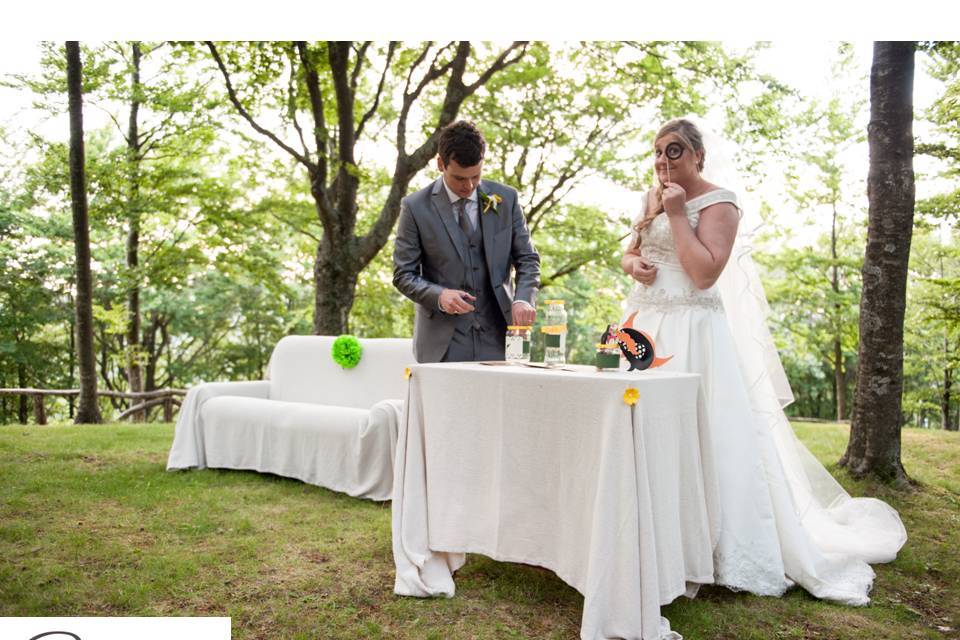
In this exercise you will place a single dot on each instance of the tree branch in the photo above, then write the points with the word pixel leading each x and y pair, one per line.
pixel 246 115
pixel 454 97
pixel 320 133
pixel 434 71
pixel 147 136
pixel 295 227
pixel 339 61
pixel 206 346
pixel 573 172
pixel 457 91
pixel 115 121
pixel 570 268
pixel 292 106
pixel 376 101
pixel 520 167
pixel 407 166
pixel 361 57
pixel 410 97
pixel 417 63
pixel 500 64
pixel 347 179
pixel 535 183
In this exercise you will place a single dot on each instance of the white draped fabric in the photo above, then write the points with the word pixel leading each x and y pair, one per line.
pixel 552 468
pixel 784 519
pixel 312 420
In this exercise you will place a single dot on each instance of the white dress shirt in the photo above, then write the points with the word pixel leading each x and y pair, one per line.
pixel 471 206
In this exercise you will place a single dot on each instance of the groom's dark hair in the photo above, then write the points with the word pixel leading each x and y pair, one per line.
pixel 463 142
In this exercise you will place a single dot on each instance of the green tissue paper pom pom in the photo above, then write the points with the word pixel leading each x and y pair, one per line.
pixel 346 351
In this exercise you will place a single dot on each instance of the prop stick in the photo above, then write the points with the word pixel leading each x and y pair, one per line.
pixel 673 151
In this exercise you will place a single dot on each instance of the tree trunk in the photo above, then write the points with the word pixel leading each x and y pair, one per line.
pixel 72 400
pixel 840 382
pixel 88 411
pixel 39 412
pixel 874 446
pixel 134 376
pixel 945 396
pixel 165 334
pixel 945 418
pixel 153 354
pixel 341 255
pixel 105 356
pixel 168 409
pixel 335 276
pixel 155 350
pixel 259 349
pixel 22 383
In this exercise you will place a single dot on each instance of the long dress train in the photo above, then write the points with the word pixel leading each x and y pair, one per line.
pixel 784 519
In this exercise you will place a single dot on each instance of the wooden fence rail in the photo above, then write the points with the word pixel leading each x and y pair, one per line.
pixel 166 397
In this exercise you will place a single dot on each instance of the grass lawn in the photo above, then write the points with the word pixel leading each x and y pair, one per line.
pixel 91 524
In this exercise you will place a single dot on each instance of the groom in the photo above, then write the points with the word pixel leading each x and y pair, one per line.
pixel 457 240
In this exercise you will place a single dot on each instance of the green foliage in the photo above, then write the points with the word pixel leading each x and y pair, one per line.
pixel 35 312
pixel 229 232
pixel 571 117
pixel 808 316
pixel 932 332
pixel 932 324
pixel 813 283
pixel 218 274
pixel 346 351
pixel 379 310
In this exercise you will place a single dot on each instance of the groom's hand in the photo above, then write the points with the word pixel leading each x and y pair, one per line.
pixel 524 315
pixel 456 302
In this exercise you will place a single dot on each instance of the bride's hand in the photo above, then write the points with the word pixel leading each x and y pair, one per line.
pixel 644 271
pixel 674 199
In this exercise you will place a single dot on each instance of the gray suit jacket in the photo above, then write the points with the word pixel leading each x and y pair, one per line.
pixel 427 258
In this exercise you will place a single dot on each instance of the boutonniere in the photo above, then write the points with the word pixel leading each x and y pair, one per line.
pixel 490 201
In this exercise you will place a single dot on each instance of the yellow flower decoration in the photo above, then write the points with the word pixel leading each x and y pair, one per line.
pixel 407 373
pixel 631 395
pixel 490 201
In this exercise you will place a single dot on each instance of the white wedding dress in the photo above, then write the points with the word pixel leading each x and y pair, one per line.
pixel 784 519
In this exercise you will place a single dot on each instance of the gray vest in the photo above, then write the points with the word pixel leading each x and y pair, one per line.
pixel 478 335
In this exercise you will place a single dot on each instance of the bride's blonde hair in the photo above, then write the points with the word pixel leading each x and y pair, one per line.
pixel 690 135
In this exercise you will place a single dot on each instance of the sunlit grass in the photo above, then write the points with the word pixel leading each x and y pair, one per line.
pixel 92 524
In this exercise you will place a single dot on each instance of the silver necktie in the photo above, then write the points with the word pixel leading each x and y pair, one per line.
pixel 460 206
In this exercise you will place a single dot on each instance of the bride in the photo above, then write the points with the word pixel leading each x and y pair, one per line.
pixel 784 519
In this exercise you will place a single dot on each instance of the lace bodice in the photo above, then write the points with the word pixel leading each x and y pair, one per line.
pixel 673 288
pixel 657 242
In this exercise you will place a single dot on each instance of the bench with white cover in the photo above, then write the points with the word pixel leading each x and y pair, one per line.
pixel 311 419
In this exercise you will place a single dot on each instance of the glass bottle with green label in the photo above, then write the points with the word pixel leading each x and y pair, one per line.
pixel 608 356
pixel 554 333
pixel 517 344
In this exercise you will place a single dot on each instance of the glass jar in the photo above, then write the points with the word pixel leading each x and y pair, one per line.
pixel 608 357
pixel 518 344
pixel 554 333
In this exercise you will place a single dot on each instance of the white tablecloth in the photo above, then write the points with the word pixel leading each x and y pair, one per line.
pixel 543 467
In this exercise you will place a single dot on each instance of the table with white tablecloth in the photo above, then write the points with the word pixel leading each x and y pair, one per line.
pixel 555 468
